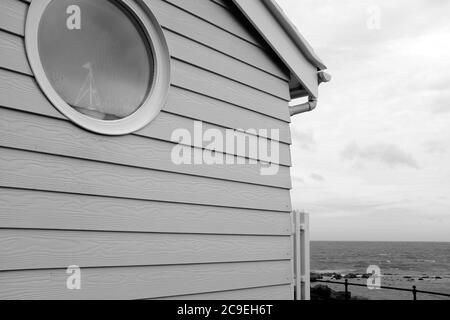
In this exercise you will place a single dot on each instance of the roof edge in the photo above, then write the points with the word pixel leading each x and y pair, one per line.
pixel 294 34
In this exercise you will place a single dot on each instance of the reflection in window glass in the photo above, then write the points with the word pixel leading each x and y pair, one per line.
pixel 105 68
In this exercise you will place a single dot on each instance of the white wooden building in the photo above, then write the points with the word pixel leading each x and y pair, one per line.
pixel 91 93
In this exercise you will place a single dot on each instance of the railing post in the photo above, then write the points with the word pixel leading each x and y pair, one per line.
pixel 301 255
pixel 298 256
pixel 414 293
pixel 305 251
pixel 346 289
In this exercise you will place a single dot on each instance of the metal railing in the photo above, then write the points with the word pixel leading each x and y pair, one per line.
pixel 414 290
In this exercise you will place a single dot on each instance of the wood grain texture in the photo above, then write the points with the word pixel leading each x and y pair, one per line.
pixel 182 22
pixel 12 16
pixel 31 170
pixel 143 282
pixel 201 56
pixel 193 52
pixel 44 249
pixel 186 76
pixel 141 227
pixel 103 203
pixel 22 93
pixel 285 292
pixel 220 17
pixel 199 30
pixel 197 106
pixel 12 53
pixel 181 101
pixel 30 209
pixel 48 135
pixel 215 86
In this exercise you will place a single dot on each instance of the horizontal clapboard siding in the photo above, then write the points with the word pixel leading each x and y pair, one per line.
pixel 21 92
pixel 32 170
pixel 31 209
pixel 177 37
pixel 12 51
pixel 200 107
pixel 144 282
pixel 138 225
pixel 220 17
pixel 284 292
pixel 12 16
pixel 31 132
pixel 181 100
pixel 207 109
pixel 199 55
pixel 40 249
pixel 196 29
pixel 212 85
pixel 185 23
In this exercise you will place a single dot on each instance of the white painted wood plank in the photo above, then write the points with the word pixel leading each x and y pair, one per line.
pixel 22 93
pixel 209 84
pixel 181 101
pixel 195 28
pixel 184 23
pixel 14 58
pixel 12 53
pixel 197 106
pixel 48 135
pixel 220 17
pixel 30 170
pixel 29 209
pixel 48 249
pixel 281 43
pixel 199 55
pixel 143 282
pixel 284 292
pixel 12 16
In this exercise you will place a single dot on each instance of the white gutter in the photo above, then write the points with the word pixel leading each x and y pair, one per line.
pixel 307 51
pixel 291 47
pixel 304 107
pixel 312 101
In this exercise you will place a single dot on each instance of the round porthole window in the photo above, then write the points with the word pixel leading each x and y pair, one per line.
pixel 102 63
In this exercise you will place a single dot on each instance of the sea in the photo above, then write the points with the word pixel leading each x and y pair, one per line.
pixel 425 265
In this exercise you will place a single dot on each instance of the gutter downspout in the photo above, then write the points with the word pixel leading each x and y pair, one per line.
pixel 312 101
pixel 304 107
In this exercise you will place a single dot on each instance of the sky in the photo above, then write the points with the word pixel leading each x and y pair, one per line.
pixel 372 162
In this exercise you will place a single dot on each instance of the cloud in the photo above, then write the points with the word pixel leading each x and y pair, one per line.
pixel 298 180
pixel 390 95
pixel 434 147
pixel 305 139
pixel 388 154
pixel 441 104
pixel 317 177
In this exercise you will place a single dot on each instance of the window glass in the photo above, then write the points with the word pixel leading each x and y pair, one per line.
pixel 103 67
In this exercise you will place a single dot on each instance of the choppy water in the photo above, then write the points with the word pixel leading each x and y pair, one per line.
pixel 403 264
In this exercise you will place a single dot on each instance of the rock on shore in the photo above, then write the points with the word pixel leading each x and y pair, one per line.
pixel 323 292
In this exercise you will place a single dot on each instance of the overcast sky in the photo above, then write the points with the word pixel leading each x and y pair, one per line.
pixel 373 161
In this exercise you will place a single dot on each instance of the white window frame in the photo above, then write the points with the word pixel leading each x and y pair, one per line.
pixel 157 94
